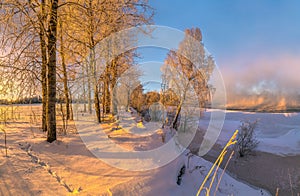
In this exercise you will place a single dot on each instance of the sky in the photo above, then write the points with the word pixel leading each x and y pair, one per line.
pixel 236 26
pixel 256 44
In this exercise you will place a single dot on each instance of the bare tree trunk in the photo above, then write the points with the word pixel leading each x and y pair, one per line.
pixel 106 94
pixel 44 68
pixel 113 83
pixel 44 87
pixel 103 96
pixel 71 107
pixel 97 104
pixel 96 88
pixel 84 90
pixel 51 95
pixel 128 99
pixel 175 121
pixel 65 75
pixel 89 88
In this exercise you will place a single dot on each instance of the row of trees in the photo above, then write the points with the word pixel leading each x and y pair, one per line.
pixel 185 81
pixel 46 44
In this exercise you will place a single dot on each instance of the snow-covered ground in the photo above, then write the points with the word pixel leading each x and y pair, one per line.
pixel 164 181
pixel 196 170
pixel 35 167
pixel 277 133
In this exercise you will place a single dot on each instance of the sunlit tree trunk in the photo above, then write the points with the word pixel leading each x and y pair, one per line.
pixel 71 106
pixel 51 91
pixel 112 87
pixel 84 88
pixel 96 86
pixel 106 95
pixel 93 61
pixel 44 67
pixel 103 98
pixel 65 75
pixel 89 97
pixel 179 107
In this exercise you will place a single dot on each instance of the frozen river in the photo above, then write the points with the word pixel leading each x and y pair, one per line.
pixel 278 133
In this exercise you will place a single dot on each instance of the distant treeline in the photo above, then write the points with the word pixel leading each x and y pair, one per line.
pixel 26 100
pixel 35 100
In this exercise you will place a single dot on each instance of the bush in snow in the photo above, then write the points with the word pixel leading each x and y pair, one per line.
pixel 246 140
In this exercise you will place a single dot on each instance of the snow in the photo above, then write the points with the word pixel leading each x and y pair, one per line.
pixel 67 166
pixel 284 145
pixel 277 133
pixel 195 172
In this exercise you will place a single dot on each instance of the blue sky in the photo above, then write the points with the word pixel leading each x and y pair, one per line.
pixel 251 41
pixel 236 26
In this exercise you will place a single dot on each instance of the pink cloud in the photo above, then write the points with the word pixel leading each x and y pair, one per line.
pixel 277 76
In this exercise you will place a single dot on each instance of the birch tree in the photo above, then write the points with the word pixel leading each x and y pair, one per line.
pixel 26 26
pixel 93 21
pixel 189 70
pixel 31 40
